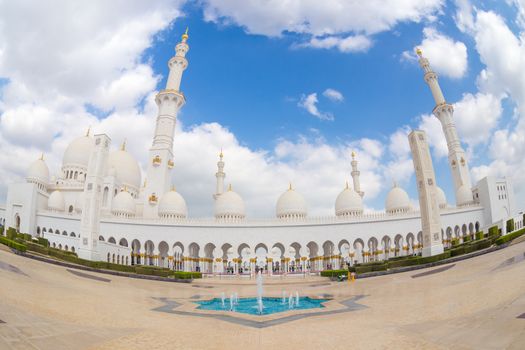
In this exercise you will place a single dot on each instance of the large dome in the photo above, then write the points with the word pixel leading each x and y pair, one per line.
pixel 78 152
pixel 348 202
pixel 127 170
pixel 291 204
pixel 441 198
pixel 229 205
pixel 123 204
pixel 397 201
pixel 172 204
pixel 38 171
pixel 464 196
pixel 56 201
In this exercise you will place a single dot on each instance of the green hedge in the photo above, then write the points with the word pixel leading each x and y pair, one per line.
pixel 11 233
pixel 510 236
pixel 494 231
pixel 371 268
pixel 470 247
pixel 12 244
pixel 183 275
pixel 418 260
pixel 43 241
pixel 455 242
pixel 466 238
pixel 334 273
pixel 479 235
pixel 510 225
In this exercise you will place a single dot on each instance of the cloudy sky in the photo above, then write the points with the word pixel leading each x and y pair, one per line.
pixel 288 88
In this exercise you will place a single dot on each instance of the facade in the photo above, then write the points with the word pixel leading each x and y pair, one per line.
pixel 98 206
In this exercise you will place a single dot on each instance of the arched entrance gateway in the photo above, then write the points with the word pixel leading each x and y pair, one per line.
pixel 17 222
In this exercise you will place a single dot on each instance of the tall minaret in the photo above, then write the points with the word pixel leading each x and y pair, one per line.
pixel 355 176
pixel 169 101
pixel 220 175
pixel 444 112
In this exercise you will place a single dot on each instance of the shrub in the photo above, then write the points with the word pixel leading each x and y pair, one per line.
pixel 11 233
pixel 371 268
pixel 510 236
pixel 479 235
pixel 43 241
pixel 494 231
pixel 510 225
pixel 333 273
pixel 12 244
pixel 455 241
pixel 466 239
pixel 182 275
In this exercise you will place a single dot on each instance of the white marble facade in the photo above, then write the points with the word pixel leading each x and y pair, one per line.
pixel 98 206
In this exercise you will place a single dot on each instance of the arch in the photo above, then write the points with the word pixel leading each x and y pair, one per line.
pixel 149 249
pixel 66 248
pixel 17 222
pixel 57 232
pixel 127 260
pixel 385 245
pixel 118 259
pixel 163 253
pixel 72 249
pixel 70 209
pixel 471 228
pixel 38 230
pixel 105 196
pixel 101 238
pixel 113 258
pixel 112 240
pixel 135 252
pixel 44 231
pixel 72 234
pixel 313 249
pixel 464 229
pixel 64 233
pixel 108 256
pixel 123 242
pixel 60 246
pixel 398 243
pixel 476 225
pixel 54 245
pixel 76 175
pixel 457 231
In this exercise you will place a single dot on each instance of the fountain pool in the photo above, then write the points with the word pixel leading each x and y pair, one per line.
pixel 252 305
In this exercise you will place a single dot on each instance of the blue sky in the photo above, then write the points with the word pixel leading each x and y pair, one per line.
pixel 252 67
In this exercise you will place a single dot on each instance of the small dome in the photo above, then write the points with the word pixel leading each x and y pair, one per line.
pixel 172 204
pixel 229 205
pixel 397 201
pixel 291 204
pixel 79 202
pixel 127 170
pixel 38 171
pixel 441 198
pixel 56 201
pixel 123 203
pixel 78 152
pixel 464 196
pixel 348 202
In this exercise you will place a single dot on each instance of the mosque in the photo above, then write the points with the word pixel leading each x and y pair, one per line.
pixel 98 206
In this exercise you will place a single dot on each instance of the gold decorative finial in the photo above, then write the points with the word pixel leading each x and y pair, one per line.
pixel 185 36
pixel 347 185
pixel 123 146
pixel 353 154
pixel 290 188
pixel 42 156
pixel 221 154
pixel 125 189
pixel 419 52
pixel 229 187
pixel 88 131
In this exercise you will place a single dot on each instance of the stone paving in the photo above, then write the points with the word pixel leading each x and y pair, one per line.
pixel 477 303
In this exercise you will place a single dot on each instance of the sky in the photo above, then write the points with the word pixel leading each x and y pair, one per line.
pixel 287 88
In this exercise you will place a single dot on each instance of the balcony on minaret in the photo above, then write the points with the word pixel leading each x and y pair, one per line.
pixel 171 164
pixel 153 199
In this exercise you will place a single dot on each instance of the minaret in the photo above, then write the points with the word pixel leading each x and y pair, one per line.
pixel 426 187
pixel 220 175
pixel 444 112
pixel 355 176
pixel 169 101
pixel 90 219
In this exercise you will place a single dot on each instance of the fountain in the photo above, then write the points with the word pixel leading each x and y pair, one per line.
pixel 290 301
pixel 223 298
pixel 284 297
pixel 296 298
pixel 231 302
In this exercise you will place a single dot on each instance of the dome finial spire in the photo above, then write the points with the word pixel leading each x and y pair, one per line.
pixel 221 155
pixel 290 188
pixel 185 36
pixel 42 156
pixel 419 52
pixel 123 146
pixel 230 187
pixel 353 155
pixel 347 185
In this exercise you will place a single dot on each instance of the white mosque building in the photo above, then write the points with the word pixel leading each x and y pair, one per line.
pixel 98 206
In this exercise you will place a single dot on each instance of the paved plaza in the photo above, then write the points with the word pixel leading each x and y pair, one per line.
pixel 477 303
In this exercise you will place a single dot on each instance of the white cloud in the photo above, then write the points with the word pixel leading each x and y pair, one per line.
pixel 318 18
pixel 309 103
pixel 333 95
pixel 352 43
pixel 447 57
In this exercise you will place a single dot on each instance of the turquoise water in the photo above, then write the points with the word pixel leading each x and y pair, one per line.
pixel 249 305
